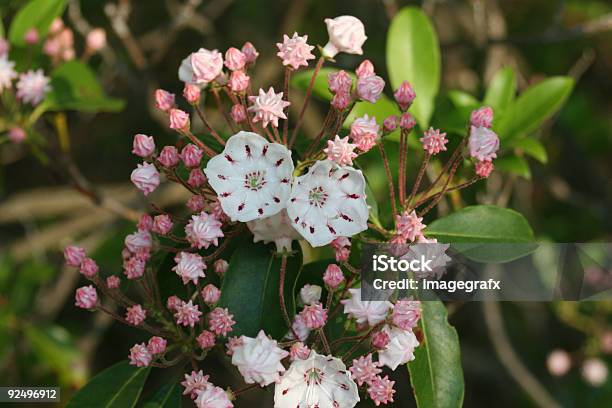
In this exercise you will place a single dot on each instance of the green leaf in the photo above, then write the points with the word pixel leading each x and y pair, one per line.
pixel 168 396
pixel 501 90
pixel 74 86
pixel 117 386
pixel 435 373
pixel 482 224
pixel 530 146
pixel 250 289
pixel 36 14
pixel 514 165
pixel 413 54
pixel 534 106
pixel 463 99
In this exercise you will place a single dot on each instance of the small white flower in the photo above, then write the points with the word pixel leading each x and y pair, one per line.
pixel 33 86
pixel 277 229
pixel 268 107
pixel 259 359
pixel 7 73
pixel 400 349
pixel 310 294
pixel 316 382
pixel 251 177
pixel 190 267
pixel 364 311
pixel 328 202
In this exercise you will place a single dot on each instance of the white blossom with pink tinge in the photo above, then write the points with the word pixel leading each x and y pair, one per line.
pixel 190 267
pixel 483 143
pixel 318 381
pixel 268 107
pixel 203 230
pixel 33 86
pixel 364 311
pixel 328 202
pixel 340 151
pixel 346 34
pixel 277 229
pixel 259 359
pixel 145 177
pixel 400 349
pixel 201 67
pixel 294 51
pixel 252 177
pixel 7 73
pixel 213 397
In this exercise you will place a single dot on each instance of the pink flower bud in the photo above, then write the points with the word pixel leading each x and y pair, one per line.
pixel 179 120
pixel 17 135
pixel 169 156
pixel 404 96
pixel 380 340
pixel 135 315
pixel 365 69
pixel 113 282
pixel 220 266
pixel 191 155
pixel 206 340
pixel 143 145
pixel 434 141
pixel 238 113
pixel 173 302
pixel 333 276
pixel 250 53
pixel 407 122
pixel 146 178
pixel 140 356
pixel 341 100
pixel 482 117
pixel 89 268
pixel 191 93
pixel 234 59
pixel 56 25
pixel 239 81
pixel 196 178
pixel 558 362
pixel 196 203
pixel 314 316
pixel 156 345
pixel 96 39
pixel 299 351
pixel 346 34
pixel 164 100
pixel 211 294
pixel 31 36
pixel 162 224
pixel 74 255
pixel 207 65
pixel 86 297
pixel 134 267
pixel 390 124
pixel 342 254
pixel 370 88
pixel 483 143
pixel 484 168
pixel 340 81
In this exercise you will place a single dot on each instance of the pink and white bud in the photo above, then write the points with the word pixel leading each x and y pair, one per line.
pixel 406 314
pixel 594 371
pixel 134 267
pixel 482 117
pixel 145 177
pixel 407 122
pixel 233 343
pixel 239 82
pixel 365 69
pixel 162 224
pixel 191 93
pixel 310 294
pixel 135 315
pixel 220 321
pixel 409 225
pixel 86 297
pixel 364 132
pixel 191 155
pixel 138 240
pixel 179 120
pixel 341 100
pixel 74 255
pixel 196 203
pixel 164 100
pixel 364 370
pixel 113 282
pixel 483 143
pixel 31 36
pixel 207 65
pixel 156 345
pixel 558 362
pixel 295 51
pixel 390 124
pixel 145 223
pixel 238 113
pixel 380 390
pixel 341 151
pixel 380 340
pixel 404 96
pixel 206 340
pixel 89 268
pixel 250 53
pixel 169 156
pixel 220 266
pixel 484 168
pixel 299 351
pixel 434 141
pixel 314 316
pixel 235 59
pixel 196 178
pixel 346 34
pixel 143 146
pixel 339 81
pixel 96 39
pixel 333 276
pixel 370 88
pixel 16 134
pixel 173 302
pixel 140 355
pixel 211 294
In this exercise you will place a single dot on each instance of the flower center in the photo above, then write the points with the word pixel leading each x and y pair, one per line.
pixel 318 197
pixel 313 376
pixel 255 180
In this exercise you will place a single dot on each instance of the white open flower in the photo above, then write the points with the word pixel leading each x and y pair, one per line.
pixel 277 229
pixel 251 177
pixel 400 348
pixel 259 359
pixel 364 311
pixel 318 381
pixel 328 202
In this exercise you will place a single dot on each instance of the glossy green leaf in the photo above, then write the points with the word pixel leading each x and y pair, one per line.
pixel 514 165
pixel 534 106
pixel 250 289
pixel 36 14
pixel 482 224
pixel 501 90
pixel 168 396
pixel 74 86
pixel 413 54
pixel 435 373
pixel 530 146
pixel 463 99
pixel 117 386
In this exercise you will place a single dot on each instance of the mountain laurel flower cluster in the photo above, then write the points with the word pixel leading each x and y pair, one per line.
pixel 253 181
